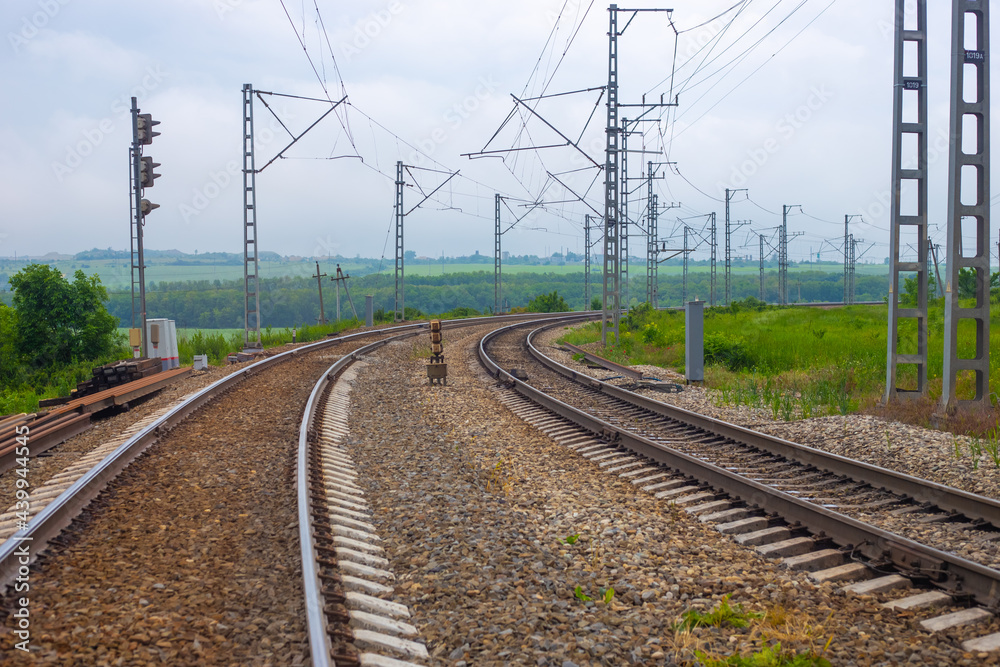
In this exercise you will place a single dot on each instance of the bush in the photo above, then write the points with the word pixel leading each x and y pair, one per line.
pixel 731 354
pixel 548 303
pixel 638 316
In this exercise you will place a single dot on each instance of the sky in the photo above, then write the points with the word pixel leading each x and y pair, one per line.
pixel 787 99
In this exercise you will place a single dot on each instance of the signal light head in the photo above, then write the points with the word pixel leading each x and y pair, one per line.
pixel 144 126
pixel 146 206
pixel 146 174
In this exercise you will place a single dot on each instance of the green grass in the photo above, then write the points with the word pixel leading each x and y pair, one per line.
pixel 722 614
pixel 767 656
pixel 50 384
pixel 793 362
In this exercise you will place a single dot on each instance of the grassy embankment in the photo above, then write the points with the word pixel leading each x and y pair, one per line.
pixel 800 362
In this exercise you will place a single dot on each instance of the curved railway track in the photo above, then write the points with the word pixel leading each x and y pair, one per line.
pixel 838 518
pixel 69 493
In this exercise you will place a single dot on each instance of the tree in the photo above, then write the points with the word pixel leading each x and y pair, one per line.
pixel 595 303
pixel 58 322
pixel 9 365
pixel 548 303
pixel 967 283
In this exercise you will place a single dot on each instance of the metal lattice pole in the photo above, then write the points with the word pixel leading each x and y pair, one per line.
pixel 684 281
pixel 251 249
pixel 847 242
pixel 586 262
pixel 400 305
pixel 729 257
pixel 653 278
pixel 612 296
pixel 854 247
pixel 496 256
pixel 968 172
pixel 914 86
pixel 623 218
pixel 711 294
pixel 760 238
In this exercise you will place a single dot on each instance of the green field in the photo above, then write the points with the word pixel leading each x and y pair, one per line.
pixel 116 275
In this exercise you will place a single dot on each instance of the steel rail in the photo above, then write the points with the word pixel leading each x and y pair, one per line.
pixel 59 513
pixel 316 618
pixel 947 498
pixel 606 363
pixel 960 576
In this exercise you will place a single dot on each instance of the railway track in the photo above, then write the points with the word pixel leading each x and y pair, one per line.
pixel 839 519
pixel 57 503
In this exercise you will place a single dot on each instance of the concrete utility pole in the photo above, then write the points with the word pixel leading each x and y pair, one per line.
pixel 319 283
pixel 968 199
pixel 729 259
pixel 912 89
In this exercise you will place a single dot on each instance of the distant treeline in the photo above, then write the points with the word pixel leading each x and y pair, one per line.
pixel 289 302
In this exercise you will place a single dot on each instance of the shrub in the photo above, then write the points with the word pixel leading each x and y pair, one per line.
pixel 730 353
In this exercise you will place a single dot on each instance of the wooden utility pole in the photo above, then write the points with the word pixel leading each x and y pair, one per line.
pixel 319 282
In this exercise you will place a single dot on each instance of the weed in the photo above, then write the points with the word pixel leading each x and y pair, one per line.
pixel 579 356
pixel 608 595
pixel 976 450
pixel 571 539
pixel 957 445
pixel 787 406
pixel 720 615
pixel 992 445
pixel 775 403
pixel 888 441
pixel 768 656
pixel 844 401
pixel 501 478
pixel 580 595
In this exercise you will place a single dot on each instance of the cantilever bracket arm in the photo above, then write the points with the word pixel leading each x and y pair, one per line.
pixel 569 142
pixel 572 192
pixel 431 193
pixel 295 139
pixel 530 206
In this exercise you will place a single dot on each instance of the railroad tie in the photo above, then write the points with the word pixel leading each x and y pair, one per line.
pixel 378 625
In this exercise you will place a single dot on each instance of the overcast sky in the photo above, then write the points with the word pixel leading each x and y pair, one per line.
pixel 790 99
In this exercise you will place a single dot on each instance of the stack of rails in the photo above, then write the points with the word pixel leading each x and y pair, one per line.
pixel 48 429
pixel 117 373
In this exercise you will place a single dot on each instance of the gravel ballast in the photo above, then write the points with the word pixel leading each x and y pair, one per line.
pixel 192 555
pixel 474 507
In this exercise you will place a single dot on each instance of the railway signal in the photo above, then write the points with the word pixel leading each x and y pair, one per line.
pixel 142 175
